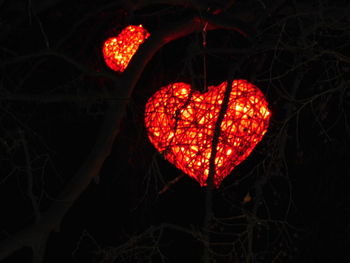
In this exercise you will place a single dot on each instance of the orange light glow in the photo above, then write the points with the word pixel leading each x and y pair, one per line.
pixel 180 125
pixel 118 51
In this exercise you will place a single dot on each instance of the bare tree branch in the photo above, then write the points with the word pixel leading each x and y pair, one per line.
pixel 35 236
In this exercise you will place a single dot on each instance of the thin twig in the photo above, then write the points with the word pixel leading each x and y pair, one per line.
pixel 28 165
pixel 170 184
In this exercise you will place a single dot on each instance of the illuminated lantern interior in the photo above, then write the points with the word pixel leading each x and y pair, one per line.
pixel 181 124
pixel 118 51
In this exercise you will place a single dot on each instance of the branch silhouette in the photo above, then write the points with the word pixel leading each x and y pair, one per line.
pixel 35 236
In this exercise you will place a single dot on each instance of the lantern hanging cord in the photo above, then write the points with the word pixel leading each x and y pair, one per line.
pixel 204 44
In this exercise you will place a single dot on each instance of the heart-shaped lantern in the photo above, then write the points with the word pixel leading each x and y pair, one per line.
pixel 181 123
pixel 118 51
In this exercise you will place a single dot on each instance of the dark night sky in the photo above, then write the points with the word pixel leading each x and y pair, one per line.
pixel 54 89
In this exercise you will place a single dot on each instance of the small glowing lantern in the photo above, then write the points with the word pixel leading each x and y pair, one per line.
pixel 181 124
pixel 118 51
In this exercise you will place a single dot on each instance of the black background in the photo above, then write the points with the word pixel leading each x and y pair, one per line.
pixel 297 177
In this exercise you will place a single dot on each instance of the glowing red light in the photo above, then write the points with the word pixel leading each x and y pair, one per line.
pixel 181 124
pixel 118 51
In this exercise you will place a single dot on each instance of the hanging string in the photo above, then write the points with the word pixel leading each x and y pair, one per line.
pixel 204 43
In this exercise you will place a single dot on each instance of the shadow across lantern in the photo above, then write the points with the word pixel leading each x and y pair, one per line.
pixel 181 122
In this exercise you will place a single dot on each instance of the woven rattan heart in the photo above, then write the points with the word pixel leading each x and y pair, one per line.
pixel 181 124
pixel 118 51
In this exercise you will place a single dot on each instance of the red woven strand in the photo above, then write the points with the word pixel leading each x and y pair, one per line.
pixel 181 122
pixel 118 51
